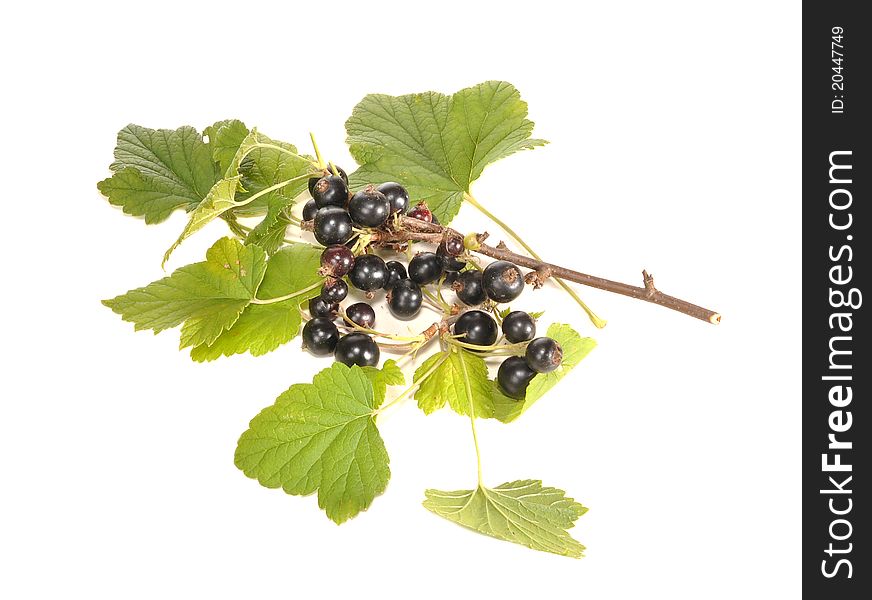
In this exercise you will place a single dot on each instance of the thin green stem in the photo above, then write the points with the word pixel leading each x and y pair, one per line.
pixel 415 385
pixel 471 416
pixel 440 303
pixel 389 336
pixel 598 322
pixel 289 296
pixel 506 348
pixel 321 164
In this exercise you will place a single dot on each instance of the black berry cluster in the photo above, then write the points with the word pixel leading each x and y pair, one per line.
pixel 542 355
pixel 338 216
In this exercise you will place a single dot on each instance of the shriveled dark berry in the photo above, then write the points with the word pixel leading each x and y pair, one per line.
pixel 318 307
pixel 361 314
pixel 357 349
pixel 334 290
pixel 476 327
pixel 404 299
pixel 514 376
pixel 320 336
pixel 519 326
pixel 453 245
pixel 425 267
pixel 469 289
pixel 330 191
pixel 544 354
pixel 336 261
pixel 396 195
pixel 502 281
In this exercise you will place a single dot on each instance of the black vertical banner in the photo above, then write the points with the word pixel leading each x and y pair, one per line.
pixel 837 368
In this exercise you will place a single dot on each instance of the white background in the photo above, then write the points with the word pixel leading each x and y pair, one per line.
pixel 675 146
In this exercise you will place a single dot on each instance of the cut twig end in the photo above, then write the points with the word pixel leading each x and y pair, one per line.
pixel 715 319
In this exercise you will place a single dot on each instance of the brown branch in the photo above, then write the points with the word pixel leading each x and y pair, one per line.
pixel 415 230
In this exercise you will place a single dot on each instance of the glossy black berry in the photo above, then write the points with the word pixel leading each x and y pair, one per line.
pixel 309 210
pixel 544 354
pixel 334 290
pixel 332 226
pixel 449 262
pixel 479 327
pixel 336 261
pixel 502 281
pixel 519 326
pixel 396 195
pixel 318 307
pixel 425 267
pixel 369 207
pixel 421 212
pixel 396 272
pixel 320 336
pixel 404 299
pixel 357 349
pixel 327 171
pixel 514 376
pixel 369 273
pixel 330 191
pixel 362 314
pixel 449 277
pixel 469 289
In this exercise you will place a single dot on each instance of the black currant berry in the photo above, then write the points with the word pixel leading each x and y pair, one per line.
pixel 309 210
pixel 330 191
pixel 449 262
pixel 514 376
pixel 318 307
pixel 327 171
pixel 369 273
pixel 369 207
pixel 396 195
pixel 334 290
pixel 396 272
pixel 502 281
pixel 362 314
pixel 332 226
pixel 469 289
pixel 404 299
pixel 357 349
pixel 544 354
pixel 421 212
pixel 449 277
pixel 453 245
pixel 425 267
pixel 479 327
pixel 519 326
pixel 320 336
pixel 336 261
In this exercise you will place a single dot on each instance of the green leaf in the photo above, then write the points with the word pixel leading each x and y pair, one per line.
pixel 389 374
pixel 209 296
pixel 575 348
pixel 219 200
pixel 264 327
pixel 320 436
pixel 437 145
pixel 269 234
pixel 225 137
pixel 456 377
pixel 523 512
pixel 157 171
pixel 269 174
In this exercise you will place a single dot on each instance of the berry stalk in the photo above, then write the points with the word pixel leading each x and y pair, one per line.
pixel 414 230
